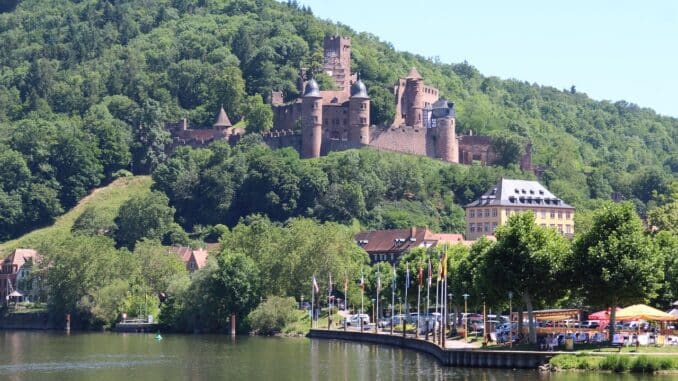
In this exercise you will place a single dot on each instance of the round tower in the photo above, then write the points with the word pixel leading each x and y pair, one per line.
pixel 311 120
pixel 414 88
pixel 447 147
pixel 359 115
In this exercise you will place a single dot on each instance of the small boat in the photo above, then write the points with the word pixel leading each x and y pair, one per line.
pixel 158 336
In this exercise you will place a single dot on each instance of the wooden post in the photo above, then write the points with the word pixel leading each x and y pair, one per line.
pixel 232 324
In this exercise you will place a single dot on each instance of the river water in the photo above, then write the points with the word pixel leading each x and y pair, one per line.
pixel 119 357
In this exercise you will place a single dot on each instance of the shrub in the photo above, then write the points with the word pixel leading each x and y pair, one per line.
pixel 271 316
pixel 564 361
pixel 615 363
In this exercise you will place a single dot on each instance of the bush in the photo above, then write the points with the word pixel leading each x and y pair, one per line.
pixel 615 363
pixel 271 316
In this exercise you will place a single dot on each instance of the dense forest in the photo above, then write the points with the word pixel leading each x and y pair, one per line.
pixel 87 86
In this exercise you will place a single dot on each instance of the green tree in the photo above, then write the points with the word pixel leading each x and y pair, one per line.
pixel 615 263
pixel 150 138
pixel 143 216
pixel 259 115
pixel 528 260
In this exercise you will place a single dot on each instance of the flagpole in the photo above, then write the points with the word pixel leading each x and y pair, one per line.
pixel 393 286
pixel 428 290
pixel 435 331
pixel 345 300
pixel 419 280
pixel 329 304
pixel 407 312
pixel 362 299
pixel 376 325
pixel 312 301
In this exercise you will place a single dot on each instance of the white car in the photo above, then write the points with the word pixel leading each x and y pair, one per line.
pixel 354 320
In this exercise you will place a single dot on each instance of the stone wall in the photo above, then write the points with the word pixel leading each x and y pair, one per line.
pixel 450 357
pixel 417 141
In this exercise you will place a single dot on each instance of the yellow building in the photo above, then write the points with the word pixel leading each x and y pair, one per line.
pixel 515 196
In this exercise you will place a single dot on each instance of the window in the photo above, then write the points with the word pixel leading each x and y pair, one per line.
pixel 494 226
pixel 487 226
pixel 568 229
pixel 487 212
pixel 568 215
pixel 508 212
pixel 560 215
pixel 543 214
pixel 543 225
pixel 472 214
pixel 472 227
pixel 363 106
pixel 560 228
pixel 494 212
pixel 363 121
pixel 553 214
pixel 552 226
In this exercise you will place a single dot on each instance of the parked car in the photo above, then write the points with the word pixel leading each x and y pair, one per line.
pixel 354 320
pixel 590 324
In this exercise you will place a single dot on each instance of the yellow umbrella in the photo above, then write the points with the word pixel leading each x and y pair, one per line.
pixel 641 311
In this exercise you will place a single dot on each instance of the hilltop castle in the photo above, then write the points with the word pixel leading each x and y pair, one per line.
pixel 322 121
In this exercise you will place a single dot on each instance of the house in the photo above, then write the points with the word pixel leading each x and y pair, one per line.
pixel 15 275
pixel 390 245
pixel 194 259
pixel 508 197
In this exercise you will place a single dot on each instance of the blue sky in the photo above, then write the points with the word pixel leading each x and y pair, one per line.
pixel 608 49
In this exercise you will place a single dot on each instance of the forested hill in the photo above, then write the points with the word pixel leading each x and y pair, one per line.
pixel 76 77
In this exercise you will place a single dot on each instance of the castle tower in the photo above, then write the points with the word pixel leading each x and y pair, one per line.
pixel 223 123
pixel 359 114
pixel 337 60
pixel 415 97
pixel 311 120
pixel 447 147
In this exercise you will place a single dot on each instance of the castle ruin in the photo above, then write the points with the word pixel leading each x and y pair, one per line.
pixel 322 121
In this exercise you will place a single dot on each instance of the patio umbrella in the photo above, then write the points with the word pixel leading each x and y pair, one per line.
pixel 602 315
pixel 16 294
pixel 641 311
pixel 674 312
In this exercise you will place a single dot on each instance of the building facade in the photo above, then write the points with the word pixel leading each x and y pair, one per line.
pixel 508 197
pixel 390 245
pixel 14 275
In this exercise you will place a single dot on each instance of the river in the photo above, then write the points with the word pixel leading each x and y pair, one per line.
pixel 52 356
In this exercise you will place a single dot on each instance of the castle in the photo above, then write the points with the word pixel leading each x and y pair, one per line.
pixel 322 121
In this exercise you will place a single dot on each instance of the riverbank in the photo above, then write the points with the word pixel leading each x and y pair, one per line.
pixel 516 359
pixel 457 357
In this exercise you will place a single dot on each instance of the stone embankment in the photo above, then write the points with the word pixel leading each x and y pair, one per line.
pixel 465 357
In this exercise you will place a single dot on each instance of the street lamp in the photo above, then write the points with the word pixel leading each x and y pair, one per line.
pixel 466 316
pixel 510 295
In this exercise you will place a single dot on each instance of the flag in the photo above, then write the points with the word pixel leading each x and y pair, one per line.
pixel 444 273
pixel 421 275
pixel 362 280
pixel 395 275
pixel 315 285
pixel 440 271
pixel 329 286
pixel 430 272
pixel 378 281
pixel 345 282
pixel 407 276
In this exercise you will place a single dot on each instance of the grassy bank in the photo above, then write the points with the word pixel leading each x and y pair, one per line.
pixel 616 363
pixel 106 200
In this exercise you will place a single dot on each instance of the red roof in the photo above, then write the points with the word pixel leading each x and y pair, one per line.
pixel 19 257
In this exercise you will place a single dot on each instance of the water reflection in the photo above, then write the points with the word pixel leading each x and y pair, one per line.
pixel 115 357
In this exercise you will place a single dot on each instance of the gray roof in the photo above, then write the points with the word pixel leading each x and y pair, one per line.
pixel 523 193
pixel 312 89
pixel 359 90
